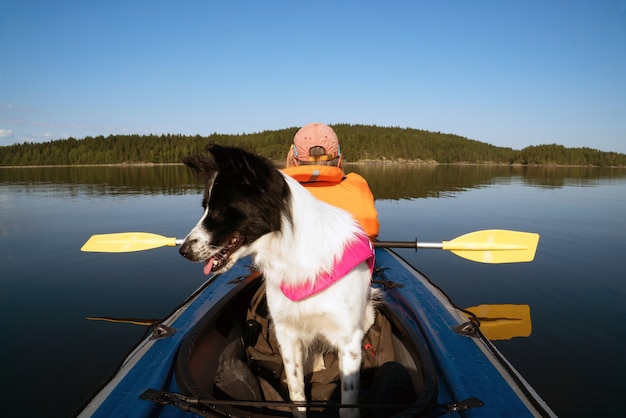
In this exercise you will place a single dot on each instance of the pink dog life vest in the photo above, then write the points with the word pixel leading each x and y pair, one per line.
pixel 355 253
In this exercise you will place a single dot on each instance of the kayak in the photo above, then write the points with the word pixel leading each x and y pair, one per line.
pixel 197 362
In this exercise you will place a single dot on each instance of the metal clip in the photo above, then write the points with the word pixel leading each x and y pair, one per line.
pixel 162 331
pixel 467 329
pixel 464 405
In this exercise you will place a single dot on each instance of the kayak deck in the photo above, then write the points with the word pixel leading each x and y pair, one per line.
pixel 453 369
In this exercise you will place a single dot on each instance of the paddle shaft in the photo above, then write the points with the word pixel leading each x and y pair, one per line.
pixel 449 245
pixel 407 244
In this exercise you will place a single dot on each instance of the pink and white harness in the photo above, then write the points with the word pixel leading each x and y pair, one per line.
pixel 355 253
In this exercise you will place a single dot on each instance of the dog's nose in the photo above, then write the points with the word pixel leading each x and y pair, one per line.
pixel 186 249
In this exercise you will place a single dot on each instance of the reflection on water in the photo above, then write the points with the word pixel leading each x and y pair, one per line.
pixel 48 287
pixel 393 181
pixel 501 322
pixel 387 181
pixel 171 179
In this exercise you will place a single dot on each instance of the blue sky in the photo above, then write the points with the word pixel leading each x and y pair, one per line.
pixel 510 73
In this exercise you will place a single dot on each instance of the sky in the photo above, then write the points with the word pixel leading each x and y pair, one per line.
pixel 509 73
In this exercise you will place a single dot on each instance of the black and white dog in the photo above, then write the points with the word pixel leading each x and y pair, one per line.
pixel 299 243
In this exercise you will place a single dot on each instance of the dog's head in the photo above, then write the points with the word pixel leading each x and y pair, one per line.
pixel 245 198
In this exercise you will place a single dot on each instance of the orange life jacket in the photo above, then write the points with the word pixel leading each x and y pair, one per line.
pixel 349 192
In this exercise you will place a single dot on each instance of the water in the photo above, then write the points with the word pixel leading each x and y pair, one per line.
pixel 52 358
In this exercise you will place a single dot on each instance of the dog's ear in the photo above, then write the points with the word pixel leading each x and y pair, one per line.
pixel 202 165
pixel 229 156
pixel 237 161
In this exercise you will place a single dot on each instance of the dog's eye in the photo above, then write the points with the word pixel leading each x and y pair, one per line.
pixel 216 216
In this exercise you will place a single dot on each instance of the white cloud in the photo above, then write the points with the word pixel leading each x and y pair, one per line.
pixel 6 133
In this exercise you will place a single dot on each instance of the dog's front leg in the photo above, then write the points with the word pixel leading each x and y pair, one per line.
pixel 350 358
pixel 291 350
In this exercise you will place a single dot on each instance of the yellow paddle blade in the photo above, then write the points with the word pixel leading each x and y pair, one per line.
pixel 126 242
pixel 495 246
pixel 503 321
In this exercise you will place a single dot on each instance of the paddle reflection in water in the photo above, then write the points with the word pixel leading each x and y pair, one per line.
pixel 503 321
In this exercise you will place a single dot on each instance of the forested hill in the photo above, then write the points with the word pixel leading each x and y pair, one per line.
pixel 358 142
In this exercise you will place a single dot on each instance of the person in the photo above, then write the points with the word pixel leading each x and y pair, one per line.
pixel 315 160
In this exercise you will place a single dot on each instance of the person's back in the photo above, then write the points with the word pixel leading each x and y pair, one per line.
pixel 315 161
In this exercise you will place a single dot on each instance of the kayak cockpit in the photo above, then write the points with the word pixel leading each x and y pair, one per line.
pixel 227 361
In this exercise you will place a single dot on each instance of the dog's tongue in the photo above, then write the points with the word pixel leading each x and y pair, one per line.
pixel 208 265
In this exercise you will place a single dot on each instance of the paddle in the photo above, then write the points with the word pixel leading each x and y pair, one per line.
pixel 491 246
pixel 134 321
pixel 497 322
pixel 126 242
pixel 503 321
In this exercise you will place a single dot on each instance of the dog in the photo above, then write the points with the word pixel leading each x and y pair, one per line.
pixel 297 242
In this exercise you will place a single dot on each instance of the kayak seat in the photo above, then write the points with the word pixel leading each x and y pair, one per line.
pixel 234 377
pixel 392 385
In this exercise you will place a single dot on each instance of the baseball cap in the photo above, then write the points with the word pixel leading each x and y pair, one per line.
pixel 315 135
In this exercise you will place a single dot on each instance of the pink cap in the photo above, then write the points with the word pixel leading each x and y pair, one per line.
pixel 315 135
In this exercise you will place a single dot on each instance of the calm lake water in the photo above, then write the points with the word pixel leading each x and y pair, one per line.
pixel 52 357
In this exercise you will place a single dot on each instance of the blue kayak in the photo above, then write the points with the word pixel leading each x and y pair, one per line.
pixel 196 362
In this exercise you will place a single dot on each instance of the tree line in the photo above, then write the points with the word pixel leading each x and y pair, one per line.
pixel 358 143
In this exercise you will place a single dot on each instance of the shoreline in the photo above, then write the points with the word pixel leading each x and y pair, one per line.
pixel 360 162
